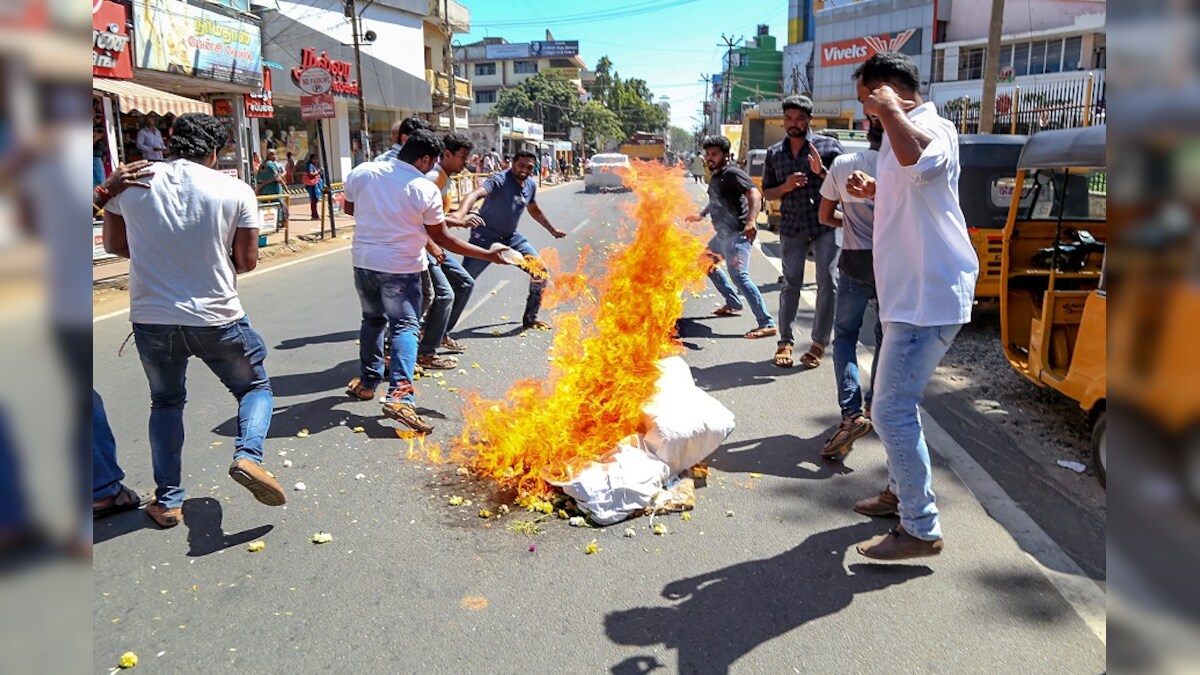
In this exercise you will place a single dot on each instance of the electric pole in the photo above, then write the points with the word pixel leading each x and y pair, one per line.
pixel 451 83
pixel 991 69
pixel 364 140
pixel 730 43
pixel 705 105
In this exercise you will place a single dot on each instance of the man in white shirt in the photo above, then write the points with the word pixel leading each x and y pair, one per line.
pixel 925 271
pixel 855 290
pixel 396 211
pixel 150 140
pixel 186 236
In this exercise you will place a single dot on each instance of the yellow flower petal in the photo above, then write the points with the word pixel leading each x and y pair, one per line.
pixel 128 660
pixel 255 546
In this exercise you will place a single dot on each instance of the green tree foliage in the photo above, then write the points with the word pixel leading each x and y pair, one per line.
pixel 682 140
pixel 604 81
pixel 600 125
pixel 554 102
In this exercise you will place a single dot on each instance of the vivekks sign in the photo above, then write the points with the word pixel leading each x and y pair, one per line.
pixel 860 49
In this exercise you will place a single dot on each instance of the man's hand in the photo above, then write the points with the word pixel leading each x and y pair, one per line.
pixel 750 232
pixel 128 175
pixel 884 100
pixel 795 180
pixel 694 218
pixel 555 232
pixel 496 255
pixel 814 160
pixel 469 220
pixel 861 185
pixel 436 251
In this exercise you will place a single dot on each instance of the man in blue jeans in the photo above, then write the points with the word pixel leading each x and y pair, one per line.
pixel 733 204
pixel 855 290
pixel 509 194
pixel 794 171
pixel 396 209
pixel 925 271
pixel 186 236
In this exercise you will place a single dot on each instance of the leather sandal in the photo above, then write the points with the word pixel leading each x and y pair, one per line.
pixel 761 332
pixel 166 518
pixel 812 358
pixel 360 391
pixel 406 414
pixel 726 310
pixel 783 356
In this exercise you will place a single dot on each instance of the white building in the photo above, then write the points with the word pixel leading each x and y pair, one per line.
pixel 494 64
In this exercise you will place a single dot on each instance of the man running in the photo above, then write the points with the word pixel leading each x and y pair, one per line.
pixel 733 204
pixel 396 211
pixel 186 236
pixel 509 193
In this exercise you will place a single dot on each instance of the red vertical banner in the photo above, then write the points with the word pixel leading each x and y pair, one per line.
pixel 261 103
pixel 110 41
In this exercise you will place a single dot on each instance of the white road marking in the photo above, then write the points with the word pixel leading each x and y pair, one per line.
pixel 471 310
pixel 1085 596
pixel 580 226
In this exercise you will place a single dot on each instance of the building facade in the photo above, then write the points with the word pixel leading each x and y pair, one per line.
pixel 494 64
pixel 753 72
pixel 452 94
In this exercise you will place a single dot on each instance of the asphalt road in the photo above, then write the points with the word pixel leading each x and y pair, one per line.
pixel 410 584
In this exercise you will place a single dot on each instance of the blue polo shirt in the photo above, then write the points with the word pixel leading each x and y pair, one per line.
pixel 506 201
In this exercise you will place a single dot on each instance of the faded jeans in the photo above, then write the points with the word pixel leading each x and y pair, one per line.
pixel 475 266
pixel 795 254
pixel 452 288
pixel 735 249
pixel 907 358
pixel 853 297
pixel 391 303
pixel 235 353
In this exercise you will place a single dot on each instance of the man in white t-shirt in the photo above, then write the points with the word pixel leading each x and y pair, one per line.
pixel 186 236
pixel 396 211
pixel 855 290
pixel 925 272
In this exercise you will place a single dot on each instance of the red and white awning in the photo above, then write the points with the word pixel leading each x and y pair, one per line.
pixel 134 97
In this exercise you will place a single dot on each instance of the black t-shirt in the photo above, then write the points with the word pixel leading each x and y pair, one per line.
pixel 727 203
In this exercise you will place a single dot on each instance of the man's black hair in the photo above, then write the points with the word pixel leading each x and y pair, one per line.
pixel 196 136
pixel 421 143
pixel 411 124
pixel 802 103
pixel 716 142
pixel 454 141
pixel 889 68
pixel 523 153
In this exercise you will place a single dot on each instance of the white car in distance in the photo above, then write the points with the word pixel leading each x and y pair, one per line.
pixel 603 172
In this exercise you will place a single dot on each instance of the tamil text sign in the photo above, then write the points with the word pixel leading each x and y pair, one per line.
pixel 860 49
pixel 317 107
pixel 110 41
pixel 262 102
pixel 339 81
pixel 548 48
pixel 175 37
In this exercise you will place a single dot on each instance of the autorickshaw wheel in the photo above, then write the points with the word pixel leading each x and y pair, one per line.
pixel 1100 447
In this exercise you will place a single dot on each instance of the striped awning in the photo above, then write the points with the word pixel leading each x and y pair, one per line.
pixel 134 97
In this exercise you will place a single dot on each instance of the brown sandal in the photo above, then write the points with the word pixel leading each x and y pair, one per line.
pixel 406 414
pixel 453 346
pixel 436 362
pixel 359 390
pixel 783 356
pixel 761 332
pixel 812 358
pixel 166 518
pixel 726 310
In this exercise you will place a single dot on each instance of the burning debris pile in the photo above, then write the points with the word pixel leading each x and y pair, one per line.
pixel 617 414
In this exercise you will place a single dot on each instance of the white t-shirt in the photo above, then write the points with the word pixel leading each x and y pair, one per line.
pixel 393 202
pixel 925 267
pixel 857 213
pixel 180 233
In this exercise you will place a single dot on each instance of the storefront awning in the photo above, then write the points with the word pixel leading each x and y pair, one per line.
pixel 133 97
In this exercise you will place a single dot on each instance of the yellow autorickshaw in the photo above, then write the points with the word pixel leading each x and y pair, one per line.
pixel 1053 303
pixel 985 188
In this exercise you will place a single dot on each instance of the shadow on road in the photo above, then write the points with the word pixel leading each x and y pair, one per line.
pixel 785 456
pixel 324 414
pixel 739 374
pixel 725 614
pixel 202 517
pixel 514 328
pixel 328 338
pixel 300 384
pixel 121 524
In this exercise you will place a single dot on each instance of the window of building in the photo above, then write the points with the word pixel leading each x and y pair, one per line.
pixel 485 96
pixel 1037 58
pixel 1054 52
pixel 524 67
pixel 485 68
pixel 1102 57
pixel 970 64
pixel 1006 53
pixel 1021 59
pixel 1073 54
pixel 939 66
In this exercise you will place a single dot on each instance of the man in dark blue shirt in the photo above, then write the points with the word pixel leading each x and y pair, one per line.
pixel 508 194
pixel 795 169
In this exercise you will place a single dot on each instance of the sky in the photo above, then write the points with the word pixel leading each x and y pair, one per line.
pixel 668 43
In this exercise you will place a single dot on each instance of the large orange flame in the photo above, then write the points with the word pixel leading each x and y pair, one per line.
pixel 617 319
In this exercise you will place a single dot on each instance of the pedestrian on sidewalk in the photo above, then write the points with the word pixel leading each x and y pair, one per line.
pixel 451 283
pixel 271 179
pixel 925 272
pixel 186 238
pixel 396 209
pixel 699 171
pixel 733 204
pixel 855 291
pixel 794 171
pixel 314 182
pixel 509 193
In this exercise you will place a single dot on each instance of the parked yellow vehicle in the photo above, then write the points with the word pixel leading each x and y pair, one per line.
pixel 1053 302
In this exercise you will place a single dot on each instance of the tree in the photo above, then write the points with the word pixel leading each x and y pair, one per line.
pixel 600 125
pixel 555 103
pixel 682 140
pixel 603 82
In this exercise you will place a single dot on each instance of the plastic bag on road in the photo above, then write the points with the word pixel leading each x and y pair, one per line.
pixel 684 424
pixel 620 484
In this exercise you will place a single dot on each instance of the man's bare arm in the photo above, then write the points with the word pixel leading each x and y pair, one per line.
pixel 245 249
pixel 115 240
pixel 828 214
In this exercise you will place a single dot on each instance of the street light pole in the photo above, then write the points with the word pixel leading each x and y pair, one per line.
pixel 364 140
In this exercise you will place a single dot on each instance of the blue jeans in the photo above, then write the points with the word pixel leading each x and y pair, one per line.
pixel 735 249
pixel 452 288
pixel 391 302
pixel 853 296
pixel 235 353
pixel 106 473
pixel 907 358
pixel 98 171
pixel 795 254
pixel 517 242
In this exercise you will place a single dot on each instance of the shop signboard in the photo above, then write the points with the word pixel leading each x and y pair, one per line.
pixel 110 41
pixel 534 132
pixel 261 103
pixel 517 51
pixel 98 252
pixel 857 50
pixel 340 82
pixel 175 37
pixel 318 107
pixel 268 218
pixel 560 73
pixel 553 48
pixel 315 81
pixel 827 109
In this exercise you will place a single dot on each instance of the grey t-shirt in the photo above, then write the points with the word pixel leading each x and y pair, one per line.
pixel 180 234
pixel 858 215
